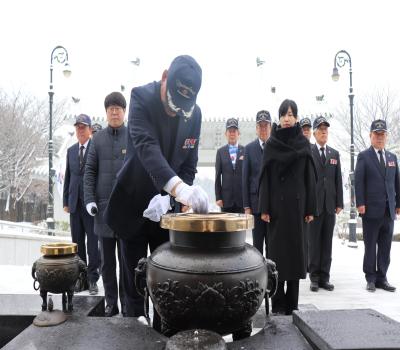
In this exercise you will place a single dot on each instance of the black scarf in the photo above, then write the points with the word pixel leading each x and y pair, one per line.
pixel 285 146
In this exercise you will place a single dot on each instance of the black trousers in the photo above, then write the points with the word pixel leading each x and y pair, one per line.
pixel 234 209
pixel 260 232
pixel 82 229
pixel 378 235
pixel 132 250
pixel 109 271
pixel 285 302
pixel 320 247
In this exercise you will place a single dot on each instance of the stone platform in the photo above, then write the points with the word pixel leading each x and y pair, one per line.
pixel 87 328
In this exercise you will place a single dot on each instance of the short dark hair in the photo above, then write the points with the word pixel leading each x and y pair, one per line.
pixel 284 107
pixel 115 99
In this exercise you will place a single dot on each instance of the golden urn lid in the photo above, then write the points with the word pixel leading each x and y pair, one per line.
pixel 211 222
pixel 60 248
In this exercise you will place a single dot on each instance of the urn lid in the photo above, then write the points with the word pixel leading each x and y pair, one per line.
pixel 60 248
pixel 211 222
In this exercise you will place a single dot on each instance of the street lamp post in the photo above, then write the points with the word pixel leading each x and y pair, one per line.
pixel 342 57
pixel 58 55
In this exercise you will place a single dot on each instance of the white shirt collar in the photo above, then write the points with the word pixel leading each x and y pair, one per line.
pixel 85 144
pixel 319 146
pixel 377 150
pixel 261 142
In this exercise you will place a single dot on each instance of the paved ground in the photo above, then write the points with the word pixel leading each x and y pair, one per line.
pixel 346 274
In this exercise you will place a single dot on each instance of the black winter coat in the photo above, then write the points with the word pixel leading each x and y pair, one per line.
pixel 288 194
pixel 105 158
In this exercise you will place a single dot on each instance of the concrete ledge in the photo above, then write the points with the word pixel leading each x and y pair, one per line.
pixel 279 332
pixel 348 329
pixel 24 248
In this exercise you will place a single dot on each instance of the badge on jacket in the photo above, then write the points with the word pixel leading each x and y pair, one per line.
pixel 189 143
pixel 333 161
pixel 123 151
pixel 392 164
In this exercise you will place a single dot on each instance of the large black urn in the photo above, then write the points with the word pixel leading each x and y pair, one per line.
pixel 206 276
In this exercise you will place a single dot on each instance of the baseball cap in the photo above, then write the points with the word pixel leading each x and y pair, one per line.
pixel 263 116
pixel 305 122
pixel 232 123
pixel 183 85
pixel 378 125
pixel 319 121
pixel 83 119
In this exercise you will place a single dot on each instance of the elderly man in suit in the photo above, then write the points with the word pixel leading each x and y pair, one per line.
pixel 253 154
pixel 378 202
pixel 329 203
pixel 160 164
pixel 81 222
pixel 228 171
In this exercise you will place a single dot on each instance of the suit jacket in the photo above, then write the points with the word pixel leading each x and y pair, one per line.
pixel 73 178
pixel 153 157
pixel 228 180
pixel 251 175
pixel 329 180
pixel 374 188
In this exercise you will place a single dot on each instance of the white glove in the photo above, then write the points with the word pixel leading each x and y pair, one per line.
pixel 193 196
pixel 158 206
pixel 91 208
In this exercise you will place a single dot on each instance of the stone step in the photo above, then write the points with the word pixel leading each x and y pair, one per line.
pixel 348 329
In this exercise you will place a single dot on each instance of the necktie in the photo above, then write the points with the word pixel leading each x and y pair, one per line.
pixel 263 146
pixel 81 156
pixel 323 158
pixel 382 161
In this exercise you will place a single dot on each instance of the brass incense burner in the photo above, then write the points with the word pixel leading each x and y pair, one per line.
pixel 57 271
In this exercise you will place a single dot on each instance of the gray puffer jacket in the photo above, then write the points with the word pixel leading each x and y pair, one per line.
pixel 105 159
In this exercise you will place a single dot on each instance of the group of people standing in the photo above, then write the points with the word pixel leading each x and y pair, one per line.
pixel 294 190
pixel 120 182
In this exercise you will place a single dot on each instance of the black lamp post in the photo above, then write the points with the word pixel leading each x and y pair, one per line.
pixel 58 55
pixel 341 59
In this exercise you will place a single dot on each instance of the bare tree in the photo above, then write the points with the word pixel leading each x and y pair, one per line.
pixel 23 139
pixel 380 104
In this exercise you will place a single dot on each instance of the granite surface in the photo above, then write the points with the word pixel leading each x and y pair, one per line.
pixel 348 329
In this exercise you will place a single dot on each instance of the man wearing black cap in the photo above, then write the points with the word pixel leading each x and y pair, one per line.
pixel 96 127
pixel 329 203
pixel 105 158
pixel 228 171
pixel 73 201
pixel 162 152
pixel 253 154
pixel 305 124
pixel 377 190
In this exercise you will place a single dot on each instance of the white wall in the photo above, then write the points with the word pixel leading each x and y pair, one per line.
pixel 24 248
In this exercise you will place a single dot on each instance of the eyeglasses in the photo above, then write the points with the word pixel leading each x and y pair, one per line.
pixel 114 109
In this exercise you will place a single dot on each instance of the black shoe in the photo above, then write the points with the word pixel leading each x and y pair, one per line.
pixel 326 286
pixel 111 311
pixel 314 286
pixel 93 289
pixel 386 286
pixel 371 287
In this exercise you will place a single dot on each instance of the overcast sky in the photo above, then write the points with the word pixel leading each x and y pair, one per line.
pixel 297 39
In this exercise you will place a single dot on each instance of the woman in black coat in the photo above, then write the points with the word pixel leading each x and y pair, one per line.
pixel 288 202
